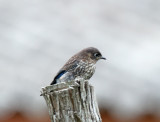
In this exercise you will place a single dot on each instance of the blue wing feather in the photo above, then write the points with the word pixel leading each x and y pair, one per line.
pixel 67 68
pixel 58 76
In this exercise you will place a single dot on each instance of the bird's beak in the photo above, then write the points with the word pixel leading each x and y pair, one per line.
pixel 103 58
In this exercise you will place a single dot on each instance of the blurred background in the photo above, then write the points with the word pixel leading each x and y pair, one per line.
pixel 37 37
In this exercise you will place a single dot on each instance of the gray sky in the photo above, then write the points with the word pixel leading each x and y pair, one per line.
pixel 38 37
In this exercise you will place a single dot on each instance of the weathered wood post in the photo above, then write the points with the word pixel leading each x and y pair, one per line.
pixel 71 102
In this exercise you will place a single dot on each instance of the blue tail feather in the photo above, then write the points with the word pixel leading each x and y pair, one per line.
pixel 58 76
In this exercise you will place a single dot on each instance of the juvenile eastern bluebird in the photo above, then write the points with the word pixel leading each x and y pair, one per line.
pixel 81 65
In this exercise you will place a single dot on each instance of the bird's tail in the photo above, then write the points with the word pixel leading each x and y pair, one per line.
pixel 60 73
pixel 53 82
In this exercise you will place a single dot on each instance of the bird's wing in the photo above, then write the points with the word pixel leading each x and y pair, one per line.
pixel 71 65
pixel 59 74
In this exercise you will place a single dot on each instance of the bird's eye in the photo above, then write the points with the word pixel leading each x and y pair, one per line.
pixel 97 54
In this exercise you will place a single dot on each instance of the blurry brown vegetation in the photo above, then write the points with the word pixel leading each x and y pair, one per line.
pixel 106 117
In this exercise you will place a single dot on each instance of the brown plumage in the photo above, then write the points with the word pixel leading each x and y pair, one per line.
pixel 80 65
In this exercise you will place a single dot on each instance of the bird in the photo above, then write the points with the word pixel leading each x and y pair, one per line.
pixel 81 65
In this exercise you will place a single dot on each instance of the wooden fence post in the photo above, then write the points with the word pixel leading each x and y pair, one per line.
pixel 71 102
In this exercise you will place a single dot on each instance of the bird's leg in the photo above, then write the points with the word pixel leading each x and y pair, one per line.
pixel 79 80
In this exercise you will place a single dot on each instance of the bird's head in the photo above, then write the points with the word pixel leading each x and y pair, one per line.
pixel 92 54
